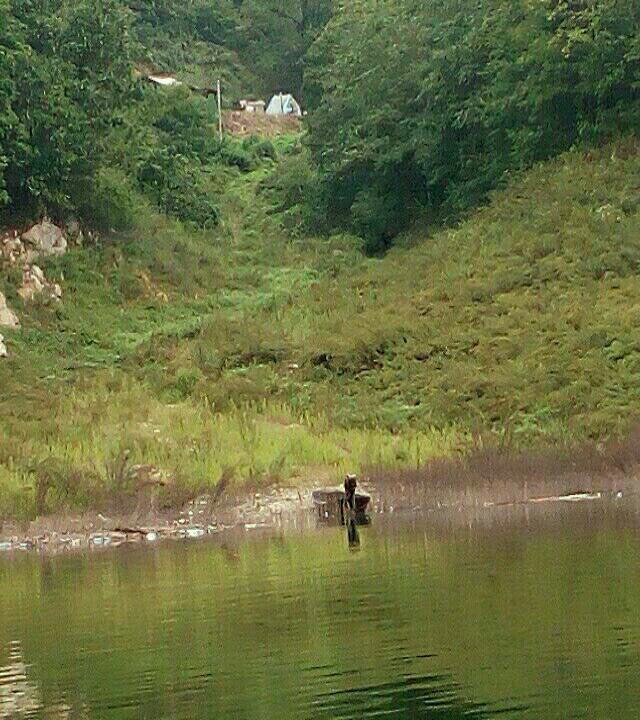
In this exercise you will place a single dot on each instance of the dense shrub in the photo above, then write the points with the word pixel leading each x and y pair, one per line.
pixel 184 122
pixel 110 203
pixel 293 190
pixel 234 154
pixel 70 68
pixel 246 154
pixel 178 186
pixel 261 148
pixel 433 104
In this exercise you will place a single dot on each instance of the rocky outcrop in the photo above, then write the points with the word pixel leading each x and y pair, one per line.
pixel 7 317
pixel 12 250
pixel 45 239
pixel 42 240
pixel 74 233
pixel 3 348
pixel 34 283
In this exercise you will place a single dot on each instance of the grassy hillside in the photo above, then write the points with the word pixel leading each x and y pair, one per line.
pixel 241 351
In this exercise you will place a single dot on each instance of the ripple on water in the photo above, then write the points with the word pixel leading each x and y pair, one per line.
pixel 418 624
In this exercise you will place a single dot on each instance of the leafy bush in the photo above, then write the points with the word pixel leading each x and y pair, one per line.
pixel 246 154
pixel 71 71
pixel 235 154
pixel 293 190
pixel 178 186
pixel 110 203
pixel 433 104
pixel 261 148
pixel 184 122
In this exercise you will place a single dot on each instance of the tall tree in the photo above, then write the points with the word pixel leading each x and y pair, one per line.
pixel 432 104
pixel 9 126
pixel 277 36
pixel 73 73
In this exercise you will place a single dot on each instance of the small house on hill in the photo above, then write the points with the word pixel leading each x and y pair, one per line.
pixel 253 106
pixel 163 80
pixel 284 105
pixel 166 80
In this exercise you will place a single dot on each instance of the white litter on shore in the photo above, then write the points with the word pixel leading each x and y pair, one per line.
pixel 574 497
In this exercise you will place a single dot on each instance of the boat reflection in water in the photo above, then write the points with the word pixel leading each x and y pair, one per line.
pixel 343 507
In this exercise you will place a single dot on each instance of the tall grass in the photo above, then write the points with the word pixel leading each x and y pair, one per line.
pixel 243 350
pixel 117 420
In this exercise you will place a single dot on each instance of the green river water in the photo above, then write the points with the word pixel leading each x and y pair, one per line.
pixel 512 617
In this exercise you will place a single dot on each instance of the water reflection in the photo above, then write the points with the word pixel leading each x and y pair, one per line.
pixel 18 696
pixel 353 536
pixel 432 697
pixel 533 619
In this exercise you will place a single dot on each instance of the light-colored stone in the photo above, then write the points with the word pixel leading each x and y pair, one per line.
pixel 7 317
pixel 38 275
pixel 74 233
pixel 35 283
pixel 73 228
pixel 46 239
pixel 3 348
pixel 12 251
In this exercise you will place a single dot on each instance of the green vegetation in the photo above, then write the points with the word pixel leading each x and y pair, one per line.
pixel 227 318
pixel 257 47
pixel 239 349
pixel 427 106
pixel 81 130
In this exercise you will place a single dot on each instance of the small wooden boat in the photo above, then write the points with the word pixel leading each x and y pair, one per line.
pixel 331 503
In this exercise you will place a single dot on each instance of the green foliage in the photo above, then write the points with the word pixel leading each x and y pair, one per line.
pixel 277 35
pixel 235 154
pixel 9 52
pixel 183 122
pixel 178 186
pixel 293 189
pixel 240 347
pixel 72 66
pixel 255 47
pixel 71 110
pixel 111 204
pixel 261 148
pixel 431 105
pixel 246 154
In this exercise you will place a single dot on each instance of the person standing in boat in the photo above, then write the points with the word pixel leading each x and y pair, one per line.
pixel 350 485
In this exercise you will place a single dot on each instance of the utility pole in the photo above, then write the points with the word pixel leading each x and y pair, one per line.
pixel 219 94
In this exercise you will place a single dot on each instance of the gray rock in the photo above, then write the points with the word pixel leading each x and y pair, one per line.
pixel 7 317
pixel 46 239
pixel 3 348
pixel 74 233
pixel 73 227
pixel 12 251
pixel 194 532
pixel 35 283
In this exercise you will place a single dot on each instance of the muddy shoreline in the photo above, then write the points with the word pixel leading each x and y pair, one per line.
pixel 291 509
pixel 199 518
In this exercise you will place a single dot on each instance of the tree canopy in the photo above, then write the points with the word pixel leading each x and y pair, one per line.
pixel 414 106
pixel 74 111
pixel 431 105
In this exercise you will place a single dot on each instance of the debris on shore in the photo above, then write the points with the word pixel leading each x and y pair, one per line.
pixel 199 518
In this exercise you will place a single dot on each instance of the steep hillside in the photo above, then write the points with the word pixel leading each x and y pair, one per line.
pixel 198 42
pixel 243 352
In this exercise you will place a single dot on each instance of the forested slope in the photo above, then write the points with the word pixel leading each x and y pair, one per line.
pixel 425 107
